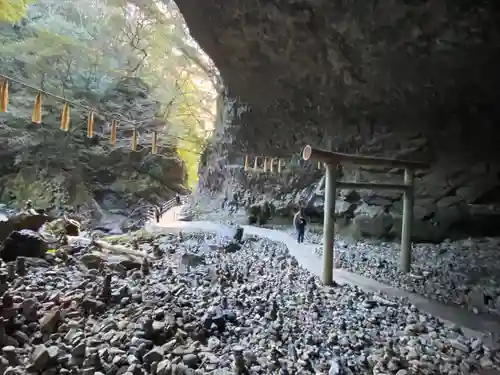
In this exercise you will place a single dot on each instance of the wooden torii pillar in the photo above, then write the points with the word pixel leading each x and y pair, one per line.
pixel 331 160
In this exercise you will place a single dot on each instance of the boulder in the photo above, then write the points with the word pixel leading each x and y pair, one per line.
pixel 23 243
pixel 238 236
pixel 260 213
pixel 422 231
pixel 191 260
pixel 95 260
pixel 20 222
pixel 72 227
pixel 232 247
pixel 265 212
pixel 373 221
pixel 435 223
pixel 474 190
pixel 350 195
pixel 253 213
pixel 284 207
pixel 315 205
pixel 111 224
pixel 63 226
pixel 91 260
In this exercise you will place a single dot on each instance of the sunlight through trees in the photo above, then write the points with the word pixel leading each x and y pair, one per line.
pixel 70 46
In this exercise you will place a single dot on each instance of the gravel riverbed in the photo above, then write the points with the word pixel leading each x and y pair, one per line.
pixel 464 272
pixel 197 309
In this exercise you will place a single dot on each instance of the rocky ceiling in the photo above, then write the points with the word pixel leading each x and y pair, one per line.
pixel 313 67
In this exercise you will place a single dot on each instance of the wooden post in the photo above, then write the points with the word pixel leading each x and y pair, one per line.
pixel 271 169
pixel 255 165
pixel 329 223
pixel 279 166
pixel 246 163
pixel 405 256
pixel 332 159
pixel 265 165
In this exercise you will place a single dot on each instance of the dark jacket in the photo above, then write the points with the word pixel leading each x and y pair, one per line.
pixel 157 212
pixel 301 224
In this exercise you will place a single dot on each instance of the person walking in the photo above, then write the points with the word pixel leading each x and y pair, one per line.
pixel 300 226
pixel 235 203
pixel 178 199
pixel 157 212
pixel 225 200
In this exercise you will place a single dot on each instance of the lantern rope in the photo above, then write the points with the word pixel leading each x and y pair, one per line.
pixel 92 113
pixel 36 116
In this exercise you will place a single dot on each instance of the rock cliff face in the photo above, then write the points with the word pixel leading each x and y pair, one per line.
pixel 314 67
pixel 407 79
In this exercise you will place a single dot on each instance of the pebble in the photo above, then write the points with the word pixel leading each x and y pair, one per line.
pixel 464 273
pixel 254 310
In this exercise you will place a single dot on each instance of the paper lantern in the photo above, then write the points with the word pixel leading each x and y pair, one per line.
pixel 114 125
pixel 90 125
pixel 36 115
pixel 4 96
pixel 65 118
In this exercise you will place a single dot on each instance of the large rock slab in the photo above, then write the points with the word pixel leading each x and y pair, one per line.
pixel 20 222
pixel 23 243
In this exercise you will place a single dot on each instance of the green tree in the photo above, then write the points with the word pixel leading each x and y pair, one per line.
pixel 190 116
pixel 12 10
pixel 74 46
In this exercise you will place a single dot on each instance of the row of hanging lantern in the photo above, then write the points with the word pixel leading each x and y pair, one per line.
pixel 36 118
pixel 269 164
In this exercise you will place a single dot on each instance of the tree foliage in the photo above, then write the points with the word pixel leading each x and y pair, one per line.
pixel 70 47
pixel 12 10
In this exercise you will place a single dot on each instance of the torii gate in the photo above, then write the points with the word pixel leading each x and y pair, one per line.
pixel 331 160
